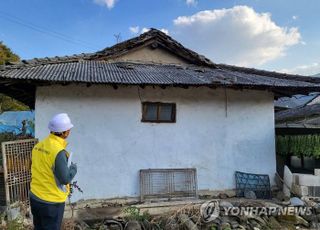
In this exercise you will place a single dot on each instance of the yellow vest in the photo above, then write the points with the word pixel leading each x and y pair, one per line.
pixel 43 181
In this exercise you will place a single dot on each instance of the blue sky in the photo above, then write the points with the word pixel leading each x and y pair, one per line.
pixel 279 35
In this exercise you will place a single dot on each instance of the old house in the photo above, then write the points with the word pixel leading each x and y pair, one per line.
pixel 284 103
pixel 149 102
pixel 298 140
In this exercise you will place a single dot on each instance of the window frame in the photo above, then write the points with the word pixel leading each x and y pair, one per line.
pixel 158 104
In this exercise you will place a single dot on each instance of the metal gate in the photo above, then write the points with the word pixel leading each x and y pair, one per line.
pixel 16 157
pixel 168 183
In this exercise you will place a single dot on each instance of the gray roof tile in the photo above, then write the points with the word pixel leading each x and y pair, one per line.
pixel 91 71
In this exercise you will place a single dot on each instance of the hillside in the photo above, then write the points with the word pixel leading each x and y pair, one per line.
pixel 8 103
pixel 6 55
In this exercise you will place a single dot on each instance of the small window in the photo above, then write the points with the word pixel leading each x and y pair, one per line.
pixel 158 112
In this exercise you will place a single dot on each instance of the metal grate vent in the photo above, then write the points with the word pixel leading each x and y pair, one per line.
pixel 258 183
pixel 314 191
pixel 16 157
pixel 168 183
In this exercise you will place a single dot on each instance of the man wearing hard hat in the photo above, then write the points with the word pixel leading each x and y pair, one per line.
pixel 50 175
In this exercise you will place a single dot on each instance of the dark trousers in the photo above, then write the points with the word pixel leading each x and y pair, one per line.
pixel 46 216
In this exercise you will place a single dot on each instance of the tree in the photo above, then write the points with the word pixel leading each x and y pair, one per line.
pixel 6 55
pixel 8 103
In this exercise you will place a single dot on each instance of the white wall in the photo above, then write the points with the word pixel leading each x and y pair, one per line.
pixel 110 143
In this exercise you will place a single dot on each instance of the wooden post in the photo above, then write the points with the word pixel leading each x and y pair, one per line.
pixel 5 174
pixel 302 161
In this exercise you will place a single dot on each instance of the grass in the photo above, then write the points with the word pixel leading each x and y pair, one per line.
pixel 133 213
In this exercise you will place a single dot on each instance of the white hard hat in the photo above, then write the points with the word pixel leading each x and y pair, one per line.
pixel 60 123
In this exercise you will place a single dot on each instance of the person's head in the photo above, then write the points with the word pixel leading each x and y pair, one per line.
pixel 63 135
pixel 60 125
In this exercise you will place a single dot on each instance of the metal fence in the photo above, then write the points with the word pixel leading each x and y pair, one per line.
pixel 258 183
pixel 168 183
pixel 314 191
pixel 16 157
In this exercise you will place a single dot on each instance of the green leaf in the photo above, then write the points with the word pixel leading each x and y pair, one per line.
pixel 306 145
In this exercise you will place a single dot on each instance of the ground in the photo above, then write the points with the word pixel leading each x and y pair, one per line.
pixel 182 214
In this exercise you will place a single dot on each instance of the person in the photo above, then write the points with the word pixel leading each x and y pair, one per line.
pixel 51 176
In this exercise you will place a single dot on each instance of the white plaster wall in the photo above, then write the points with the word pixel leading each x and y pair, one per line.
pixel 110 144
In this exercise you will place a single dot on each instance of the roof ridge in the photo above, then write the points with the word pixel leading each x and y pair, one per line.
pixel 160 38
pixel 153 37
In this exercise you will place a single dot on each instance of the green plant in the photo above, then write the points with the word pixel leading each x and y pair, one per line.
pixel 213 227
pixel 133 213
pixel 15 224
pixel 6 55
pixel 305 145
pixel 9 104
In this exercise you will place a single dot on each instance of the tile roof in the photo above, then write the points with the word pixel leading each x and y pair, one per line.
pixel 100 68
pixel 298 113
pixel 297 100
pixel 96 72
pixel 307 116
